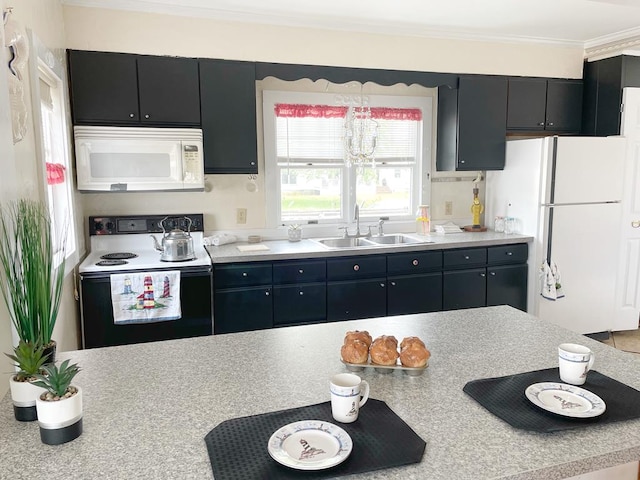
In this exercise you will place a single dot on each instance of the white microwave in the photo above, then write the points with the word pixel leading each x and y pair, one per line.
pixel 132 159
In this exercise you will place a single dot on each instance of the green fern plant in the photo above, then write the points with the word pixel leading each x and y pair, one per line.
pixel 29 358
pixel 56 380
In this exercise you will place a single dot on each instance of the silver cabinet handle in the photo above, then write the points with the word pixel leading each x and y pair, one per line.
pixel 131 115
pixel 509 254
pixel 252 163
pixel 245 274
pixel 393 284
pixel 382 285
pixel 550 124
pixel 483 274
pixel 301 293
pixel 301 271
pixel 493 274
pixel 461 161
pixel 146 116
pixel 267 293
pixel 356 267
pixel 466 257
pixel 541 124
pixel 635 224
pixel 415 263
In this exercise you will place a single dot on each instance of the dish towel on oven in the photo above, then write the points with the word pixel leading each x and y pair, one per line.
pixel 551 288
pixel 145 297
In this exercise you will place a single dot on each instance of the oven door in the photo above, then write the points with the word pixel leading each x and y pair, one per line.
pixel 99 330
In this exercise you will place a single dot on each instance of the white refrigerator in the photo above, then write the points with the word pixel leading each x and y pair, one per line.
pixel 567 194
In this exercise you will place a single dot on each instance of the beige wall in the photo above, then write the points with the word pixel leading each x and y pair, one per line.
pixel 111 30
pixel 20 168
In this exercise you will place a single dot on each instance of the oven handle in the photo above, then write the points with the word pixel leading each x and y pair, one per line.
pixel 184 271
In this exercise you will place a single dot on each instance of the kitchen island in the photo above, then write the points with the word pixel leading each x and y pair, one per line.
pixel 147 407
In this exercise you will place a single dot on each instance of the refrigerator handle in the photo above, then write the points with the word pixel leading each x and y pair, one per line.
pixel 552 198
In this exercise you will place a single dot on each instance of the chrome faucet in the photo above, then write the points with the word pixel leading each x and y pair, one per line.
pixel 356 216
pixel 380 229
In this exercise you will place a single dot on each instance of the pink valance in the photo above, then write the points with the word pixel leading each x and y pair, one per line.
pixel 290 110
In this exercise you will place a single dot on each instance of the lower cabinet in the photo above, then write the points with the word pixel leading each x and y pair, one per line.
pixel 507 285
pixel 258 295
pixel 351 300
pixel 242 309
pixel 414 294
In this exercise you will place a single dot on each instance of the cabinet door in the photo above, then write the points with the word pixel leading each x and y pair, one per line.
pixel 414 294
pixel 564 105
pixel 356 299
pixel 507 285
pixel 482 121
pixel 169 90
pixel 242 309
pixel 104 88
pixel 228 101
pixel 464 289
pixel 527 101
pixel 293 304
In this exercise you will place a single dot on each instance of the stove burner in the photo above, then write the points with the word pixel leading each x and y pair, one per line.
pixel 119 256
pixel 111 263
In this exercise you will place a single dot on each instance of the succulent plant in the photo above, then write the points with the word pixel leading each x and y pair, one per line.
pixel 56 380
pixel 29 358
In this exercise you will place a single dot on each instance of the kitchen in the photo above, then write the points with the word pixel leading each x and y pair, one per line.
pixel 149 33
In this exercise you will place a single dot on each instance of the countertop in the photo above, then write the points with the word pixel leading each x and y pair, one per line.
pixel 307 248
pixel 148 407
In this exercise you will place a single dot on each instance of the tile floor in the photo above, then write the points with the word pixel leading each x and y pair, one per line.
pixel 629 341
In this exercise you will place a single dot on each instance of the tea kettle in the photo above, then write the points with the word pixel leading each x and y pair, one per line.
pixel 177 246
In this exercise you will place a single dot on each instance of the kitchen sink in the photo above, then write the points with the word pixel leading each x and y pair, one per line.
pixel 345 242
pixel 396 239
pixel 375 241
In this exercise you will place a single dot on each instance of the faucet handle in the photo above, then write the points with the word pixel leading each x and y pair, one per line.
pixel 346 231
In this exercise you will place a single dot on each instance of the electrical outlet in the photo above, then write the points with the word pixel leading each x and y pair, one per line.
pixel 241 215
pixel 448 208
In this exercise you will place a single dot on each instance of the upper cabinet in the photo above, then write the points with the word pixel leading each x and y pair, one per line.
pixel 228 96
pixel 132 90
pixel 538 104
pixel 604 81
pixel 471 124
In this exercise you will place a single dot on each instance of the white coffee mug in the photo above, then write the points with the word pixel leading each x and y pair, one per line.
pixel 348 393
pixel 574 361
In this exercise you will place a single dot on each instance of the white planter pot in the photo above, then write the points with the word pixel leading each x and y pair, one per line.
pixel 24 395
pixel 60 421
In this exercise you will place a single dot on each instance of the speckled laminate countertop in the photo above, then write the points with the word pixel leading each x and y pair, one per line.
pixel 148 407
pixel 307 248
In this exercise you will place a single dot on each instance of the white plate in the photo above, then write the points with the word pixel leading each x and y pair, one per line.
pixel 310 445
pixel 565 399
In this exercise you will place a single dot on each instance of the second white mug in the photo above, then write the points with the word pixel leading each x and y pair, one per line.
pixel 574 361
pixel 348 393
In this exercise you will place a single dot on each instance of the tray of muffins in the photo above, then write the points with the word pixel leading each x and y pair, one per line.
pixel 383 353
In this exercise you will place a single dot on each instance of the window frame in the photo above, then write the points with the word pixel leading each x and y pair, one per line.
pixel 420 189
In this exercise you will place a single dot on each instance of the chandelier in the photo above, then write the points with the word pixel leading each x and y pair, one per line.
pixel 360 133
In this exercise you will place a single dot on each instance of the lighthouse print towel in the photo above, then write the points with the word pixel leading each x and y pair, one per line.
pixel 145 297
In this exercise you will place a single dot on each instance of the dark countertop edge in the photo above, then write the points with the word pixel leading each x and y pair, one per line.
pixel 307 248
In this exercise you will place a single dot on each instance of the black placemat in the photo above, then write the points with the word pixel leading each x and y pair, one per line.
pixel 505 398
pixel 238 447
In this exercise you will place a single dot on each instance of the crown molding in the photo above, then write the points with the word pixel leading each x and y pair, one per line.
pixel 626 42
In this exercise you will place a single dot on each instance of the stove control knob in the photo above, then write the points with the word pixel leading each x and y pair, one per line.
pixel 98 226
pixel 110 226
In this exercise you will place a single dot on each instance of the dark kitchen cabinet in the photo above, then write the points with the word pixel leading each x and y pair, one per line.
pixel 414 282
pixel 481 277
pixel 471 124
pixel 299 292
pixel 604 81
pixel 242 309
pixel 228 101
pixel 356 287
pixel 242 297
pixel 131 90
pixel 538 104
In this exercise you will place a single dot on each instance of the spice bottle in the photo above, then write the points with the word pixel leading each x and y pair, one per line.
pixel 423 224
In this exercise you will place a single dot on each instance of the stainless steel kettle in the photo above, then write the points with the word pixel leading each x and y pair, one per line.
pixel 177 245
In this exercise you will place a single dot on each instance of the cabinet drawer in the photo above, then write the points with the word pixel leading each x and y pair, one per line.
pixel 465 257
pixel 242 274
pixel 517 253
pixel 299 303
pixel 299 272
pixel 414 262
pixel 356 267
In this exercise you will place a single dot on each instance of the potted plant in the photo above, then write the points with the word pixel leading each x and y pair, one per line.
pixel 32 260
pixel 59 408
pixel 29 360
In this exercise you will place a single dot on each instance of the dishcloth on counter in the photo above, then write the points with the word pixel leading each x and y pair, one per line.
pixel 381 439
pixel 220 239
pixel 252 248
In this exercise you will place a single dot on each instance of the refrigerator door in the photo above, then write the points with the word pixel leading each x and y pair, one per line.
pixel 584 245
pixel 588 169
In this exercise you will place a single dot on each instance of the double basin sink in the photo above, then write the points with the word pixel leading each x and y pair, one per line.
pixel 373 241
